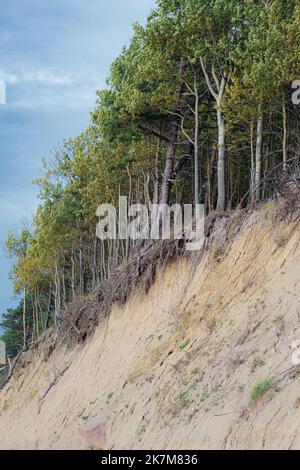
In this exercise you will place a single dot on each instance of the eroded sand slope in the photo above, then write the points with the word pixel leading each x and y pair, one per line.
pixel 175 368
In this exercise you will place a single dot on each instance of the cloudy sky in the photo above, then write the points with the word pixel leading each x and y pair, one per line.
pixel 54 54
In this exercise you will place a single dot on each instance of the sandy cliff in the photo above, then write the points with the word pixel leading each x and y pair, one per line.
pixel 202 361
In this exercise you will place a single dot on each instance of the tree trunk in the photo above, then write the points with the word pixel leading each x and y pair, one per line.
pixel 128 169
pixel 218 93
pixel 221 203
pixel 252 179
pixel 36 313
pixel 258 155
pixel 285 135
pixel 94 264
pixel 171 152
pixel 81 267
pixel 57 293
pixel 156 173
pixel 24 319
pixel 196 150
pixel 169 166
pixel 49 308
pixel 73 282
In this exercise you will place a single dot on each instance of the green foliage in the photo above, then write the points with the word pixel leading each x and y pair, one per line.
pixel 261 389
pixel 183 344
pixel 12 326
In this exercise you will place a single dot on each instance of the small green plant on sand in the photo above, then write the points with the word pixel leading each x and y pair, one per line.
pixel 261 389
pixel 183 344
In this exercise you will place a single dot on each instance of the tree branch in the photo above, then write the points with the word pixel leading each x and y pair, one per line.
pixel 208 81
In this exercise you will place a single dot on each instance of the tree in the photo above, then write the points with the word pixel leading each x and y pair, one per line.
pixel 215 29
pixel 17 246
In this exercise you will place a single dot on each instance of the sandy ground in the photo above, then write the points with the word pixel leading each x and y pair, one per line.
pixel 176 368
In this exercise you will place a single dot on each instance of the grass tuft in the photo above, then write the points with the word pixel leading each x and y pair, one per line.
pixel 261 389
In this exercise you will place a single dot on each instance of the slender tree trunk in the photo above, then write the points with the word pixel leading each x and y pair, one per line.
pixel 196 150
pixel 218 90
pixel 258 155
pixel 156 173
pixel 33 332
pixel 171 152
pixel 252 178
pixel 24 318
pixel 73 275
pixel 167 178
pixel 81 267
pixel 211 180
pixel 207 188
pixel 147 199
pixel 128 168
pixel 94 264
pixel 103 259
pixel 36 313
pixel 63 282
pixel 57 293
pixel 221 203
pixel 49 307
pixel 285 134
pixel 266 169
pixel 169 166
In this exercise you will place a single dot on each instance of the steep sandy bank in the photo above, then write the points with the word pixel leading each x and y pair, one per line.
pixel 175 368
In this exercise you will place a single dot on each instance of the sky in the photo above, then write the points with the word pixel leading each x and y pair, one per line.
pixel 54 55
